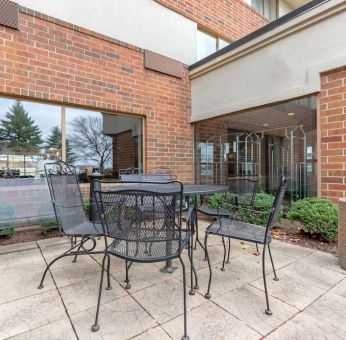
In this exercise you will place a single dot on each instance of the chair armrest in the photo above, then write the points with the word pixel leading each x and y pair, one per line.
pixel 252 210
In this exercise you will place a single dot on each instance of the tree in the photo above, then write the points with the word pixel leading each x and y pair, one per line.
pixel 19 130
pixel 54 141
pixel 88 141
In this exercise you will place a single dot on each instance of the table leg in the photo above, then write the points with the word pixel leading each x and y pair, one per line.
pixel 168 268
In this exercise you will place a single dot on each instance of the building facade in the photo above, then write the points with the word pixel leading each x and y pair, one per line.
pixel 122 66
pixel 108 85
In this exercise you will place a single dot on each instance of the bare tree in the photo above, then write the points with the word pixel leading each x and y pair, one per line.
pixel 88 141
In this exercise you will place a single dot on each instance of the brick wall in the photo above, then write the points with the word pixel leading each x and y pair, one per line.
pixel 58 62
pixel 124 151
pixel 231 19
pixel 333 133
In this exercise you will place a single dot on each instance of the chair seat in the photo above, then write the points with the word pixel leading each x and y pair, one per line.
pixel 214 212
pixel 85 228
pixel 128 248
pixel 239 230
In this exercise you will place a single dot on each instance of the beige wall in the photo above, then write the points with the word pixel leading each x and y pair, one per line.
pixel 280 65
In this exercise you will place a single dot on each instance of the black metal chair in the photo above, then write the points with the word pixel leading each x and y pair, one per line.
pixel 248 232
pixel 242 192
pixel 141 234
pixel 72 221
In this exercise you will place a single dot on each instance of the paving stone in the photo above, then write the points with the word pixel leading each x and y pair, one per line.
pixel 304 327
pixel 119 319
pixel 83 295
pixel 75 272
pixel 340 289
pixel 209 321
pixel 248 304
pixel 291 250
pixel 58 330
pixel 164 301
pixel 330 308
pixel 315 275
pixel 237 273
pixel 279 260
pixel 142 275
pixel 23 315
pixel 53 241
pixel 291 289
pixel 10 248
pixel 20 259
pixel 21 282
pixel 52 252
pixel 153 334
pixel 324 260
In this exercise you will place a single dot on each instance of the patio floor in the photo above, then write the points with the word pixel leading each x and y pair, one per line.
pixel 309 301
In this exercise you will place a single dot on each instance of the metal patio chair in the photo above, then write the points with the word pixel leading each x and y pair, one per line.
pixel 71 218
pixel 242 192
pixel 231 228
pixel 143 235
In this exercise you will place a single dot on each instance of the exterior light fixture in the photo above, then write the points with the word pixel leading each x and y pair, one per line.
pixel 290 113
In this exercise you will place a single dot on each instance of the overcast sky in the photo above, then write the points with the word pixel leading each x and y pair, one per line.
pixel 45 116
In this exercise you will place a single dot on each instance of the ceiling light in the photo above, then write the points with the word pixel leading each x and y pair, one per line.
pixel 290 113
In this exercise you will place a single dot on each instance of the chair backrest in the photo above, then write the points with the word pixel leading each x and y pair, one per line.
pixel 140 216
pixel 244 188
pixel 66 195
pixel 160 177
pixel 276 208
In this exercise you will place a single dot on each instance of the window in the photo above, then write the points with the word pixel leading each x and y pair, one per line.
pixel 208 44
pixel 265 7
pixel 32 134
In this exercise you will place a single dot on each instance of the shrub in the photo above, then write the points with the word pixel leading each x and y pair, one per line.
pixel 320 216
pixel 262 204
pixel 49 225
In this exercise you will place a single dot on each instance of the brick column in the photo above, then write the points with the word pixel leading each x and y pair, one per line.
pixel 333 134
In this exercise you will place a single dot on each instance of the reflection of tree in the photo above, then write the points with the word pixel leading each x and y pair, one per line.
pixel 54 141
pixel 19 130
pixel 88 141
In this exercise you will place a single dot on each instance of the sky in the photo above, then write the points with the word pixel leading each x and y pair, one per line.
pixel 45 116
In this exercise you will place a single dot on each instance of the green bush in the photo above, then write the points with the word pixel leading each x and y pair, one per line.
pixel 221 200
pixel 49 225
pixel 320 216
pixel 262 205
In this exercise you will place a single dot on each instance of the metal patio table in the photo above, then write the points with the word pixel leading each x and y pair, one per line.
pixel 189 190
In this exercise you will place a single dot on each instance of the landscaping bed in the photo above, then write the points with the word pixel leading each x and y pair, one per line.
pixel 292 232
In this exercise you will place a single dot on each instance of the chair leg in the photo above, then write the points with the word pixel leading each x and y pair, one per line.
pixel 271 259
pixel 185 336
pixel 109 287
pixel 95 327
pixel 49 265
pixel 267 310
pixel 197 238
pixel 207 294
pixel 229 250
pixel 128 285
pixel 224 254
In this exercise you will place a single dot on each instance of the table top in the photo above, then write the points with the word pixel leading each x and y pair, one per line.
pixel 188 189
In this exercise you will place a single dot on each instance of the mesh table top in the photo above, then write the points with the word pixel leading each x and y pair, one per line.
pixel 188 189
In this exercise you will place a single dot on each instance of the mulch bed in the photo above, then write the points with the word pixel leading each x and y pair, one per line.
pixel 27 235
pixel 292 232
